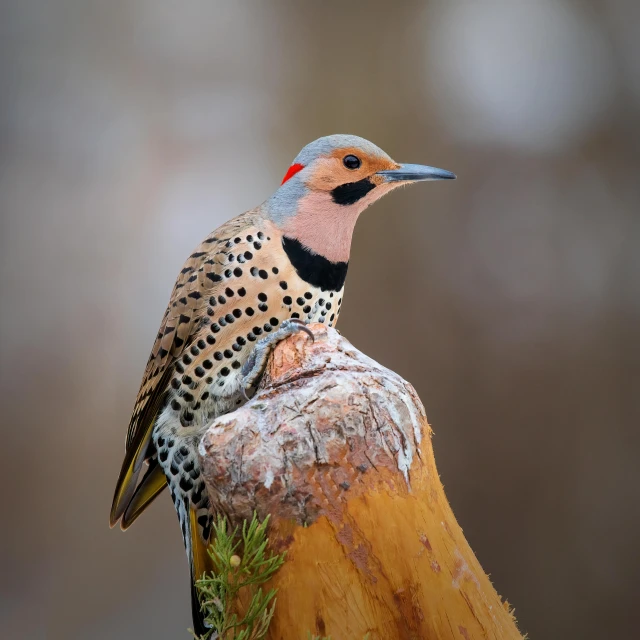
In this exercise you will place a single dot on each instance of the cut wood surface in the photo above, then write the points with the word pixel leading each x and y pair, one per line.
pixel 337 449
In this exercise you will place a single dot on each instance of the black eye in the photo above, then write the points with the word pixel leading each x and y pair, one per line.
pixel 351 162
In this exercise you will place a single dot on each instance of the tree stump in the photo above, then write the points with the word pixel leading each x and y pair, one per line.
pixel 337 449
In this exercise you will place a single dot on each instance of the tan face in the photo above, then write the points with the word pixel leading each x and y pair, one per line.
pixel 340 186
pixel 331 172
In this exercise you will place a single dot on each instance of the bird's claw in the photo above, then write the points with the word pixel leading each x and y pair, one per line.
pixel 254 366
pixel 303 327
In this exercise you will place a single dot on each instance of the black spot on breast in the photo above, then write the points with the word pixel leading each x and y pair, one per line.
pixel 214 277
pixel 242 292
pixel 283 285
pixel 228 353
pixel 215 328
pixel 249 311
pixel 287 300
pixel 313 268
pixel 229 291
pixel 237 272
pixel 225 371
pixel 262 306
pixel 263 274
pixel 199 371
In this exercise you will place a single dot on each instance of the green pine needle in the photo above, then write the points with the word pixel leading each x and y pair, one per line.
pixel 239 561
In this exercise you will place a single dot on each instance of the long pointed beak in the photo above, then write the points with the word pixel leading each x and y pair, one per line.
pixel 414 173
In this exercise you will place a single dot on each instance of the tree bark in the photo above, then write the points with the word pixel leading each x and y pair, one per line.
pixel 337 449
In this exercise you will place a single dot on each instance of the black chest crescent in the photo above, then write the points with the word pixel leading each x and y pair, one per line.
pixel 313 268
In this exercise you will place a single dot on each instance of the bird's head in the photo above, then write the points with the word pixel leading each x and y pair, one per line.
pixel 330 182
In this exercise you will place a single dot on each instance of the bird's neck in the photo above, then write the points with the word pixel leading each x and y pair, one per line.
pixel 322 226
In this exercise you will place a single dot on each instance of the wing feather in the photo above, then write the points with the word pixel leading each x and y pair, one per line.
pixel 199 278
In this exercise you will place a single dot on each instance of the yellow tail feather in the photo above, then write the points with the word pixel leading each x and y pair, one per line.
pixel 149 488
pixel 200 563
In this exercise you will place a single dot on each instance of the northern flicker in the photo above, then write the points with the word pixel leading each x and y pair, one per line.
pixel 255 280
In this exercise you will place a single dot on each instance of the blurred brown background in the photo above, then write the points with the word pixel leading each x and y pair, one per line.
pixel 130 129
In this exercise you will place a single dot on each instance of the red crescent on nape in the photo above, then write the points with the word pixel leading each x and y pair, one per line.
pixel 293 169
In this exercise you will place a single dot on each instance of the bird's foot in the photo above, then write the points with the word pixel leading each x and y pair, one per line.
pixel 256 363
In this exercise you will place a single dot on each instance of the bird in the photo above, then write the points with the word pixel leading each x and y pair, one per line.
pixel 252 282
